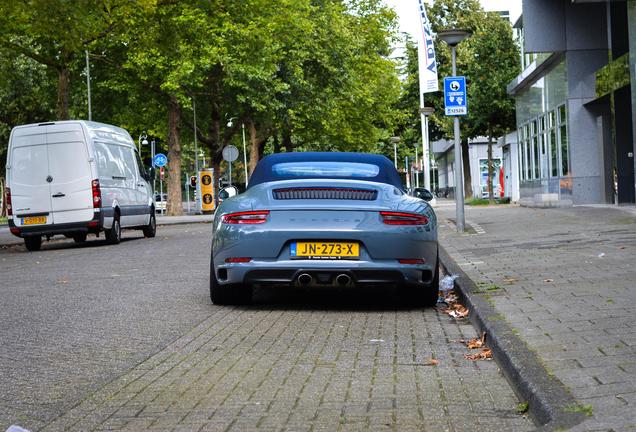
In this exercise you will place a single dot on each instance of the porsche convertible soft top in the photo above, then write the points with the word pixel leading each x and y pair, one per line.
pixel 346 166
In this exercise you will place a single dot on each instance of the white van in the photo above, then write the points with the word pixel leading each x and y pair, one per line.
pixel 76 178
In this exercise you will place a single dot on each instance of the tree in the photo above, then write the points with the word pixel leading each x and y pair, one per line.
pixel 496 64
pixel 55 33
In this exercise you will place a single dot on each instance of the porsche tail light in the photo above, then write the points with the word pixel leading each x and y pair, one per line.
pixel 235 260
pixel 97 194
pixel 411 261
pixel 9 206
pixel 246 217
pixel 400 218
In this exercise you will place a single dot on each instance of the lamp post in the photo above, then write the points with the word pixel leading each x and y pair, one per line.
pixel 143 139
pixel 395 140
pixel 452 38
pixel 229 124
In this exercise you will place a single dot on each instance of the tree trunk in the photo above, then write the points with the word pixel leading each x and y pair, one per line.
pixel 175 206
pixel 276 142
pixel 62 93
pixel 287 141
pixel 468 183
pixel 255 155
pixel 216 166
pixel 491 197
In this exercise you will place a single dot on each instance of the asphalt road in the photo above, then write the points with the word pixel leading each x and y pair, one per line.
pixel 98 337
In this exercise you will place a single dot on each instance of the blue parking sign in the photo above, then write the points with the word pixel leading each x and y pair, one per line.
pixel 455 96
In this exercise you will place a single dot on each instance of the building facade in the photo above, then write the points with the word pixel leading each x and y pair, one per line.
pixel 575 122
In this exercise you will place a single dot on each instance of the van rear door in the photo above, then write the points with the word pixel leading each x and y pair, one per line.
pixel 29 170
pixel 70 171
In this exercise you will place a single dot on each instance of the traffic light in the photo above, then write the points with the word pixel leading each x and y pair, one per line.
pixel 193 181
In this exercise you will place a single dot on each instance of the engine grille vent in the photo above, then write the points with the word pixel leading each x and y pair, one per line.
pixel 325 193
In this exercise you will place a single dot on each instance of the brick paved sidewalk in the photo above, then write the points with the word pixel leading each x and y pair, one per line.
pixel 300 369
pixel 565 280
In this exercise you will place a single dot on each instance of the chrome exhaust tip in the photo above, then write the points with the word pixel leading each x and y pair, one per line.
pixel 343 280
pixel 304 279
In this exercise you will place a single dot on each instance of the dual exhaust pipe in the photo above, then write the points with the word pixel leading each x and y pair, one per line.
pixel 342 280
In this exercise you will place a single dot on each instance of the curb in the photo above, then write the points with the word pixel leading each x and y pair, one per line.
pixel 18 241
pixel 547 397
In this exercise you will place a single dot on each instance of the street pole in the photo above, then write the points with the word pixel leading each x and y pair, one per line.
pixel 152 160
pixel 417 177
pixel 88 86
pixel 197 189
pixel 244 153
pixel 459 178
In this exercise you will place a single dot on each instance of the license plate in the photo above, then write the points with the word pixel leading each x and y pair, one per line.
pixel 33 220
pixel 325 250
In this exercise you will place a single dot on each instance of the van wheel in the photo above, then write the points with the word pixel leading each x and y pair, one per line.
pixel 151 229
pixel 33 243
pixel 79 238
pixel 113 235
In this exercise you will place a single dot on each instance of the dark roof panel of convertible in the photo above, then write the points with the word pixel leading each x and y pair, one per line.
pixel 288 166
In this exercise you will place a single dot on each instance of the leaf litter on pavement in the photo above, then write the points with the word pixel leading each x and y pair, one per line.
pixel 449 304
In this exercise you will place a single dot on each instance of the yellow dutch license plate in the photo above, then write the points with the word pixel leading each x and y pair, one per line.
pixel 33 220
pixel 325 250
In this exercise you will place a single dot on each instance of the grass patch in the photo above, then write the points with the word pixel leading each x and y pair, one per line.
pixel 493 287
pixel 585 409
pixel 485 201
pixel 3 220
pixel 522 408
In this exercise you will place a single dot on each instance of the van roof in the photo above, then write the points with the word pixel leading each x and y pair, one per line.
pixel 95 129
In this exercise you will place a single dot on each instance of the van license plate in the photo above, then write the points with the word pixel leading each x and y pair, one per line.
pixel 325 250
pixel 33 220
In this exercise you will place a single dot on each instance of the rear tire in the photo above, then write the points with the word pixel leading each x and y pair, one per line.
pixel 228 294
pixel 151 229
pixel 424 295
pixel 113 235
pixel 33 243
pixel 79 238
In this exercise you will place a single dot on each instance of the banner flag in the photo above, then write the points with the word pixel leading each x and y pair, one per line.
pixel 426 54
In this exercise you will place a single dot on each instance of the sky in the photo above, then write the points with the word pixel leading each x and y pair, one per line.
pixel 407 11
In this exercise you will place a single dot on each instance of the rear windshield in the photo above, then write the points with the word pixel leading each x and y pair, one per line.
pixel 324 169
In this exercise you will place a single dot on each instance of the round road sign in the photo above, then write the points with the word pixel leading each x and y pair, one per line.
pixel 160 160
pixel 230 153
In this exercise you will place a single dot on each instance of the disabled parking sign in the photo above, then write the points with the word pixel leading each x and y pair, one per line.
pixel 455 96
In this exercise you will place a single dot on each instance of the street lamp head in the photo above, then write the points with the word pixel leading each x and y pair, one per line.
pixel 427 110
pixel 395 139
pixel 454 36
pixel 144 142
pixel 230 124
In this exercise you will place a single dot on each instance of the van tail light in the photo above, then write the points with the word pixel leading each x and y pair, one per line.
pixel 8 201
pixel 246 217
pixel 97 194
pixel 400 218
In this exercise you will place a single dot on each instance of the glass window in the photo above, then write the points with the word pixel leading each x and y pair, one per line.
pixel 565 170
pixel 27 162
pixel 554 161
pixel 519 153
pixel 317 169
pixel 109 161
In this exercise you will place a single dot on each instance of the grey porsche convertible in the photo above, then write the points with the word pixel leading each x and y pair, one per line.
pixel 324 220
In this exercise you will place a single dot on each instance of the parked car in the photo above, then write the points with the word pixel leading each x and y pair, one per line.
pixel 160 202
pixel 76 178
pixel 324 220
